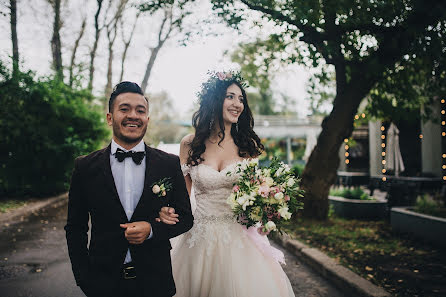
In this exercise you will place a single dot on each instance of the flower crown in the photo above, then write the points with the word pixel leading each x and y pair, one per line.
pixel 211 84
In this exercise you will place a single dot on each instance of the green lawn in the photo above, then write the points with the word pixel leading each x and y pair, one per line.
pixel 6 205
pixel 401 265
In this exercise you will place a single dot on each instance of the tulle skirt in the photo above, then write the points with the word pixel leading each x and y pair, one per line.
pixel 218 259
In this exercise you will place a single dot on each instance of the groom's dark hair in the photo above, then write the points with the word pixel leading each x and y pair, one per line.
pixel 124 87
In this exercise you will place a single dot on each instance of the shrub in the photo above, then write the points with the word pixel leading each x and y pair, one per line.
pixel 44 125
pixel 355 193
pixel 428 205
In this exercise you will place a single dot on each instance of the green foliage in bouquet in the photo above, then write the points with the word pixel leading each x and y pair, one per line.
pixel 265 197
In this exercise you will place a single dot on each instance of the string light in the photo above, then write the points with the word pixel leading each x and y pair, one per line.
pixel 346 154
pixel 421 136
pixel 383 152
pixel 443 134
pixel 363 115
pixel 346 147
pixel 347 161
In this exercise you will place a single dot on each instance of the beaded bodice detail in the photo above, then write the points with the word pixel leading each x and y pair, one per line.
pixel 211 188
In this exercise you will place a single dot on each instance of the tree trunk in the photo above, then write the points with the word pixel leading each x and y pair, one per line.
pixel 76 45
pixel 149 67
pixel 127 44
pixel 320 171
pixel 15 44
pixel 55 42
pixel 95 45
pixel 108 86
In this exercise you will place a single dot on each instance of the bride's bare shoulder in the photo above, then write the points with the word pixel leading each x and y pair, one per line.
pixel 186 141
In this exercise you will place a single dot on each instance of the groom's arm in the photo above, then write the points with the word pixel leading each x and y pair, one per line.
pixel 77 227
pixel 181 203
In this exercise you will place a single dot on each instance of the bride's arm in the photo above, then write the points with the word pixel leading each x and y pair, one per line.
pixel 167 215
pixel 184 154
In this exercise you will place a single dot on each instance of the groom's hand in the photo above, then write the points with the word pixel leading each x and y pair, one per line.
pixel 136 232
pixel 168 216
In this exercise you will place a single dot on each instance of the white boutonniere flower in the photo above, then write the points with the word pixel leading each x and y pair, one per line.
pixel 161 187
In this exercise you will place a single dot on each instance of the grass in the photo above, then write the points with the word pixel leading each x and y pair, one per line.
pixel 6 205
pixel 355 193
pixel 401 265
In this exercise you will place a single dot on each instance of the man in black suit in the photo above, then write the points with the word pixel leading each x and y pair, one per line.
pixel 121 188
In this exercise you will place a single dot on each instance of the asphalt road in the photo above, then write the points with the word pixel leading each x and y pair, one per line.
pixel 34 261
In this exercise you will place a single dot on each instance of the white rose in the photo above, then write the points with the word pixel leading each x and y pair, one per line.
pixel 269 181
pixel 242 199
pixel 279 196
pixel 284 213
pixel 270 226
pixel 290 182
pixel 279 171
pixel 156 189
pixel 267 172
pixel 254 162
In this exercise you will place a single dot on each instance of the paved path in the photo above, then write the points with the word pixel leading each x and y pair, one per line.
pixel 34 261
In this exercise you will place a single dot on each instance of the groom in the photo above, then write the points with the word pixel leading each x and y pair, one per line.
pixel 121 188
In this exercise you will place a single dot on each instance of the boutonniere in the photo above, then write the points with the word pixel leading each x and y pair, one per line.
pixel 161 187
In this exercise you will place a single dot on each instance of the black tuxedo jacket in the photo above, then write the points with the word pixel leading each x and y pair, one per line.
pixel 93 195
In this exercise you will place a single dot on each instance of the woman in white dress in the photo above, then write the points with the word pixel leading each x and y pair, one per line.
pixel 218 257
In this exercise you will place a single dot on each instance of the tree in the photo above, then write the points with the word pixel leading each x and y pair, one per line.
pixel 162 126
pixel 15 43
pixel 127 42
pixel 56 47
pixel 97 33
pixel 365 41
pixel 173 13
pixel 111 29
pixel 75 47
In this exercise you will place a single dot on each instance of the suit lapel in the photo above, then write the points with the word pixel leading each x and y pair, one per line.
pixel 144 201
pixel 110 182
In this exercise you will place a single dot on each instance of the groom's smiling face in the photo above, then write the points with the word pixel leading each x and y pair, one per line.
pixel 129 118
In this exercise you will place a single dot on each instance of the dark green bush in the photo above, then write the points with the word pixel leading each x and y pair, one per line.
pixel 355 193
pixel 44 125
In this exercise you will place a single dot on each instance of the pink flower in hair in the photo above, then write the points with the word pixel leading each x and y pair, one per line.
pixel 235 188
pixel 221 75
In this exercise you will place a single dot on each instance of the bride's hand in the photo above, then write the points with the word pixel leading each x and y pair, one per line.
pixel 168 216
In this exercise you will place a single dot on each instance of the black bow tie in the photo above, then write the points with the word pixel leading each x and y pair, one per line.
pixel 136 156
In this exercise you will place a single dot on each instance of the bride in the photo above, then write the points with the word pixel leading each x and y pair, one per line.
pixel 219 257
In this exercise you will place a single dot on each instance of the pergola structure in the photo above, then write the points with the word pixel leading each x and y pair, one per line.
pixel 288 127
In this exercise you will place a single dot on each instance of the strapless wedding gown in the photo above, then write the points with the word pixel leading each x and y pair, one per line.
pixel 217 257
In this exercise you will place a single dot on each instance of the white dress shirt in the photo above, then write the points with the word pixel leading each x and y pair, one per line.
pixel 129 181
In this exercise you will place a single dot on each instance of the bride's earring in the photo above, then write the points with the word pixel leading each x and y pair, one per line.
pixel 236 127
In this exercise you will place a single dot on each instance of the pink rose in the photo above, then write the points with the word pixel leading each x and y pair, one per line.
pixel 221 76
pixel 163 193
pixel 261 231
pixel 235 188
pixel 264 190
pixel 287 198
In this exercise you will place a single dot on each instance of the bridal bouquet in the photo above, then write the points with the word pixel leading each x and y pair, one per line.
pixel 265 197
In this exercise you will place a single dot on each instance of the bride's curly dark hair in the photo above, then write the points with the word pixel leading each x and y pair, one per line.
pixel 211 97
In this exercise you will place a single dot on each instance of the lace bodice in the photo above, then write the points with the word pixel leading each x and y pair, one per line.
pixel 212 215
pixel 212 188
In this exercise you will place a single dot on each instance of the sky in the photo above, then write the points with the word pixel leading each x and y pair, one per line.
pixel 179 70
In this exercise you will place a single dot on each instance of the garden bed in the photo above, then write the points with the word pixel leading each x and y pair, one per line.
pixel 358 209
pixel 401 265
pixel 423 226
